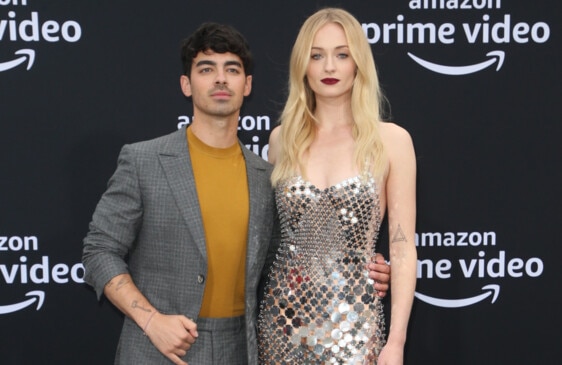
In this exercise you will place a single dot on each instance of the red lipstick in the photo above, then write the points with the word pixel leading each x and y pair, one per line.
pixel 329 81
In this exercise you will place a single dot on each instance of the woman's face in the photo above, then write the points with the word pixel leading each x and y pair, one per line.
pixel 331 70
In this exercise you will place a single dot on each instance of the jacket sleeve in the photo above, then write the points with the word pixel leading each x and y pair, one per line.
pixel 114 226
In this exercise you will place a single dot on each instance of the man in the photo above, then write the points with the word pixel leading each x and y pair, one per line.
pixel 179 240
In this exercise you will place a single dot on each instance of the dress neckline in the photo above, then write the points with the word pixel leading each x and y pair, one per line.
pixel 335 186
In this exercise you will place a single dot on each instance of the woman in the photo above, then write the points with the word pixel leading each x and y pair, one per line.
pixel 338 170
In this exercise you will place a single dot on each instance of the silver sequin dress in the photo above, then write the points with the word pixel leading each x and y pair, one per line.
pixel 320 306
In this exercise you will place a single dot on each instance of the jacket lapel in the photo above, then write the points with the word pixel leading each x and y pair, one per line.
pixel 176 163
pixel 258 185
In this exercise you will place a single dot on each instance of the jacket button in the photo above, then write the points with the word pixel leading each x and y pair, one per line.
pixel 200 279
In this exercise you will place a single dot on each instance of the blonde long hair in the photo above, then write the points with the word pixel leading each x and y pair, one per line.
pixel 297 118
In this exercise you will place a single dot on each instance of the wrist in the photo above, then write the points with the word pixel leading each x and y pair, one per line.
pixel 147 322
pixel 396 339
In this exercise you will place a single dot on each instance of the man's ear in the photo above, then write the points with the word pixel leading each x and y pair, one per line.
pixel 185 85
pixel 248 86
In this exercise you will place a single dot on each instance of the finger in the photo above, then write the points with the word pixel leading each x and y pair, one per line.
pixel 372 267
pixel 380 289
pixel 379 276
pixel 182 352
pixel 382 268
pixel 379 257
pixel 379 266
pixel 190 326
pixel 183 340
pixel 381 286
pixel 190 338
pixel 176 360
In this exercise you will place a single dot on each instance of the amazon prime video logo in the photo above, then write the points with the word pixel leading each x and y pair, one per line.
pixel 488 269
pixel 22 29
pixel 490 30
pixel 31 269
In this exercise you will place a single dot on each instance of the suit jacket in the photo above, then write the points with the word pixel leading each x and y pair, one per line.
pixel 148 224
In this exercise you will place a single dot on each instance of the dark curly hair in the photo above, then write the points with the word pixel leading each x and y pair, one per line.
pixel 219 38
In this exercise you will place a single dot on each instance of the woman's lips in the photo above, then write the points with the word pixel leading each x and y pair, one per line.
pixel 329 81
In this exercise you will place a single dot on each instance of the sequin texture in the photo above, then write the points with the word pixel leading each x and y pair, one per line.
pixel 320 306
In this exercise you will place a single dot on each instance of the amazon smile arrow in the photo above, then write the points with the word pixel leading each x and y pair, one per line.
pixel 492 289
pixel 461 70
pixel 37 296
pixel 28 54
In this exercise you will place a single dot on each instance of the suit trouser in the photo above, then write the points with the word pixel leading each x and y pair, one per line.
pixel 221 341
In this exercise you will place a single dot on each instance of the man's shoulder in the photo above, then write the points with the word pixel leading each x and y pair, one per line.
pixel 255 160
pixel 158 143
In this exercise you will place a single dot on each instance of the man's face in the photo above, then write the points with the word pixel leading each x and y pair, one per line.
pixel 217 84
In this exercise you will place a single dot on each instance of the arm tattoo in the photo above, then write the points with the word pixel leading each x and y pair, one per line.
pixel 399 236
pixel 135 304
pixel 122 283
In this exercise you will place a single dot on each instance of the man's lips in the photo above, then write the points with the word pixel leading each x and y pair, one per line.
pixel 221 94
pixel 330 81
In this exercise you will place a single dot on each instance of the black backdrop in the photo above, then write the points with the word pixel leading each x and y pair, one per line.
pixel 104 73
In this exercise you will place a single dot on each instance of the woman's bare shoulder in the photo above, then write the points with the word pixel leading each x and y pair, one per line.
pixel 393 135
pixel 397 142
pixel 393 131
pixel 274 144
pixel 274 135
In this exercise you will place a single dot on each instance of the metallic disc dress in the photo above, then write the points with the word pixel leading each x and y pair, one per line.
pixel 320 306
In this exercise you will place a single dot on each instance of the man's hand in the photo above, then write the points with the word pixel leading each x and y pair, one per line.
pixel 172 335
pixel 379 271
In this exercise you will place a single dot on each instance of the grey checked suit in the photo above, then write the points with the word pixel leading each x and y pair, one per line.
pixel 148 224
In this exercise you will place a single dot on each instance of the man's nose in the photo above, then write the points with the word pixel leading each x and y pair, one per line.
pixel 221 77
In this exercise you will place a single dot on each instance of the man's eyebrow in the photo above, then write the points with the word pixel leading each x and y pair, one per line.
pixel 205 62
pixel 233 63
pixel 213 63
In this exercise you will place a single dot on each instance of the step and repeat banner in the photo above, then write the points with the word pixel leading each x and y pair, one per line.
pixel 476 82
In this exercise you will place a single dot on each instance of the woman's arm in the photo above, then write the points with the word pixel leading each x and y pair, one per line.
pixel 401 207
